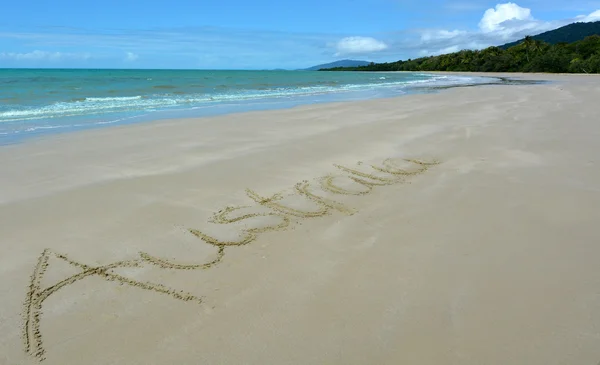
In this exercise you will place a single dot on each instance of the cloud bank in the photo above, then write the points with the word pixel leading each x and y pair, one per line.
pixel 44 56
pixel 595 16
pixel 359 45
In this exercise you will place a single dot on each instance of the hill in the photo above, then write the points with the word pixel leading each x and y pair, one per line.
pixel 567 34
pixel 341 63
pixel 529 56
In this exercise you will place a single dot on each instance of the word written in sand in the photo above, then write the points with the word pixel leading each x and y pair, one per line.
pixel 361 183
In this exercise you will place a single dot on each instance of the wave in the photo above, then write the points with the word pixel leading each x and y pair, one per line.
pixel 41 128
pixel 164 87
pixel 116 98
pixel 90 106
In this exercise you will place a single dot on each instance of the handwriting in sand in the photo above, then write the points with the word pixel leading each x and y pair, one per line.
pixel 361 183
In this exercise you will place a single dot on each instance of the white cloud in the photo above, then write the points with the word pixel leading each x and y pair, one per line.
pixel 451 49
pixel 595 16
pixel 493 19
pixel 357 45
pixel 441 34
pixel 130 56
pixel 44 56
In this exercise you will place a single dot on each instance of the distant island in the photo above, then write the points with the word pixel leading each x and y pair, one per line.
pixel 546 52
pixel 341 63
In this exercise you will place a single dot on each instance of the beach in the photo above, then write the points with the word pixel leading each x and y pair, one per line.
pixel 458 227
pixel 41 102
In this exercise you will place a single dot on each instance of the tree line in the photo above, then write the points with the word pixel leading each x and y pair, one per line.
pixel 531 55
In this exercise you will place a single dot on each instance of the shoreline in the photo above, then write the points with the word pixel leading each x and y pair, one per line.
pixel 76 124
pixel 458 227
pixel 88 139
pixel 88 136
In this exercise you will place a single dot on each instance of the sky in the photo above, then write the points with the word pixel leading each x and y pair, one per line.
pixel 264 34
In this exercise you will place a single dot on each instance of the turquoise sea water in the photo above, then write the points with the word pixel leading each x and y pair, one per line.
pixel 34 102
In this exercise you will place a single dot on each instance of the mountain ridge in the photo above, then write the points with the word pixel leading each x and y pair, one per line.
pixel 567 34
pixel 340 63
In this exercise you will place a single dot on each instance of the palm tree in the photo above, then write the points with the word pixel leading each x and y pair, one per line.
pixel 529 44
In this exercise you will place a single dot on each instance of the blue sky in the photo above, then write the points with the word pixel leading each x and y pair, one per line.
pixel 261 34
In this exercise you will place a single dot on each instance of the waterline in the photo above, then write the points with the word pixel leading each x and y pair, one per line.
pixel 39 102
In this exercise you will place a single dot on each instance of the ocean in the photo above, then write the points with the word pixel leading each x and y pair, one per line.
pixel 36 102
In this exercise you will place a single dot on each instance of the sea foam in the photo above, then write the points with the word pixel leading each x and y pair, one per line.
pixel 72 100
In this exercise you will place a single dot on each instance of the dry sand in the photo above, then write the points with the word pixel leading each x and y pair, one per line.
pixel 491 256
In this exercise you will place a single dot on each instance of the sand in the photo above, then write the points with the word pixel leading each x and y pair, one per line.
pixel 454 228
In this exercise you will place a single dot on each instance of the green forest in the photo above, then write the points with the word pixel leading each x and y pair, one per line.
pixel 531 55
pixel 567 34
